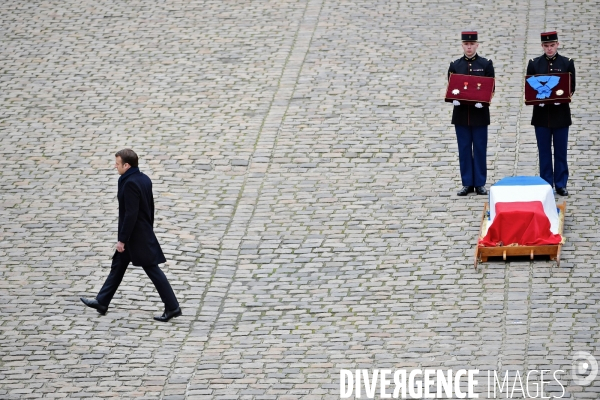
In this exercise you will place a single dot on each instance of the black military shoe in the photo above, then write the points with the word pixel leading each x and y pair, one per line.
pixel 167 315
pixel 93 303
pixel 480 190
pixel 562 191
pixel 465 190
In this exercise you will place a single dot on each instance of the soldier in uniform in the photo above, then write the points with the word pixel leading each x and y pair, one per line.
pixel 471 120
pixel 552 121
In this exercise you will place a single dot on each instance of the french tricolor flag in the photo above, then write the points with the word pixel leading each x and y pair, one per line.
pixel 522 212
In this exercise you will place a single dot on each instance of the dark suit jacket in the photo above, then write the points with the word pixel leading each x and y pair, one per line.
pixel 136 219
pixel 470 115
pixel 552 116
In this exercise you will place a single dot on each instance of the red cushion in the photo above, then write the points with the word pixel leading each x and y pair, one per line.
pixel 472 94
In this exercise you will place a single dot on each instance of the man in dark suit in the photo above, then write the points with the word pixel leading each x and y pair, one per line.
pixel 552 121
pixel 471 120
pixel 137 242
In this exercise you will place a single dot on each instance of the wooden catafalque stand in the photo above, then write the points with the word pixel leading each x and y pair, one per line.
pixel 482 252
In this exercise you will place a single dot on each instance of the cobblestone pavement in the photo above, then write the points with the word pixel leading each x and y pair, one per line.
pixel 305 173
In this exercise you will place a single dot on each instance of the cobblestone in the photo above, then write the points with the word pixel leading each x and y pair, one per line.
pixel 304 171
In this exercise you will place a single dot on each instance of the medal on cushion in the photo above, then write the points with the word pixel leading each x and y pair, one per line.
pixel 466 84
pixel 455 92
pixel 478 86
pixel 559 92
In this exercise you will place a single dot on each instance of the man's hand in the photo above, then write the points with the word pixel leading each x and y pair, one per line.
pixel 120 247
pixel 478 105
pixel 557 104
pixel 456 102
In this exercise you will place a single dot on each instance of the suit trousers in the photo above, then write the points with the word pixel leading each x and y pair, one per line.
pixel 119 265
pixel 472 154
pixel 559 137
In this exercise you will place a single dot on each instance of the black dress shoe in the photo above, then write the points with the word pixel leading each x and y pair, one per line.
pixel 167 315
pixel 93 303
pixel 465 190
pixel 562 191
pixel 480 190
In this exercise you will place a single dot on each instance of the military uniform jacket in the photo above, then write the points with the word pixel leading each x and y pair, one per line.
pixel 552 116
pixel 136 219
pixel 468 114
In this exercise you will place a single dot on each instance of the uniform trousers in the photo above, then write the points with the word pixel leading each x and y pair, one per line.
pixel 120 262
pixel 472 154
pixel 559 137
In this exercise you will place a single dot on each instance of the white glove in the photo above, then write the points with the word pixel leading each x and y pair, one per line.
pixel 456 102
pixel 557 104
pixel 541 105
pixel 478 105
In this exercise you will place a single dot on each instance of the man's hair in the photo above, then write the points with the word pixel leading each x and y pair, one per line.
pixel 128 156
